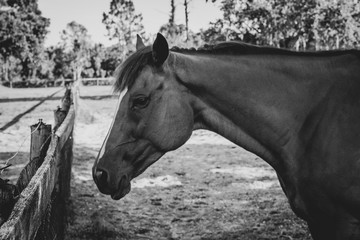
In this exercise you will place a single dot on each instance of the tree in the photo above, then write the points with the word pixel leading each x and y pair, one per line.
pixel 111 60
pixel 122 24
pixel 46 64
pixel 22 33
pixel 311 24
pixel 62 63
pixel 170 29
pixel 97 55
pixel 77 44
pixel 259 22
pixel 338 24
pixel 178 34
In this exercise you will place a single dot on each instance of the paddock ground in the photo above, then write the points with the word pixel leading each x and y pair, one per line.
pixel 207 189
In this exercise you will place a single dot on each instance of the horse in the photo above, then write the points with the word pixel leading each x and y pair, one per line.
pixel 298 111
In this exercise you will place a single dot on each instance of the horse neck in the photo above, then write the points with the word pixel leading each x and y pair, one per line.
pixel 259 102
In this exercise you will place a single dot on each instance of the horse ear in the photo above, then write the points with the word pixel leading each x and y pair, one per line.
pixel 160 50
pixel 139 42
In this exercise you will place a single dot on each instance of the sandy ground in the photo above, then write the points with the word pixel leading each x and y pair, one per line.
pixel 207 189
pixel 16 138
pixel 8 93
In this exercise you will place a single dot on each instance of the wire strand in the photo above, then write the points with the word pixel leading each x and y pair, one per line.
pixel 9 159
pixel 39 124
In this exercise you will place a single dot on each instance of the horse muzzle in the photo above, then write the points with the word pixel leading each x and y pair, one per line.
pixel 124 188
pixel 105 186
pixel 114 169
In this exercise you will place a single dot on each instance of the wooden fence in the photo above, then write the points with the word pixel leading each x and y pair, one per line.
pixel 84 81
pixel 44 184
pixel 59 82
pixel 97 81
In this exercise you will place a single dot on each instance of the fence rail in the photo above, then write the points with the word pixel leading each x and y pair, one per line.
pixel 39 210
pixel 59 82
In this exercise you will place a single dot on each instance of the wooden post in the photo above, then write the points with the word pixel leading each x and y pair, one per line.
pixel 59 116
pixel 76 95
pixel 40 140
pixel 61 113
pixel 40 134
pixel 40 212
pixel 8 197
pixel 66 158
pixel 66 100
pixel 65 154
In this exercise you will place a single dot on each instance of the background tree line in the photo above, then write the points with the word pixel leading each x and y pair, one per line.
pixel 293 24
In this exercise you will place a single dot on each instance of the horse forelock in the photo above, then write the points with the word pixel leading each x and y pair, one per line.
pixel 127 72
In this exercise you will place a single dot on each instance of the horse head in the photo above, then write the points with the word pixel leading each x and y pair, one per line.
pixel 153 116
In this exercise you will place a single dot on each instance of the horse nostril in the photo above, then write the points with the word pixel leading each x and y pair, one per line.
pixel 101 177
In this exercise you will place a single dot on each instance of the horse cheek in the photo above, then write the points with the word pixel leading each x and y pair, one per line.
pixel 173 127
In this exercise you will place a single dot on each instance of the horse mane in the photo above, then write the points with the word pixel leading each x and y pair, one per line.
pixel 127 72
pixel 232 47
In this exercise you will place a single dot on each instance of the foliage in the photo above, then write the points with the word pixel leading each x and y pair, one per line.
pixel 22 33
pixel 62 68
pixel 304 24
pixel 111 59
pixel 77 44
pixel 46 66
pixel 97 55
pixel 178 34
pixel 122 24
pixel 296 24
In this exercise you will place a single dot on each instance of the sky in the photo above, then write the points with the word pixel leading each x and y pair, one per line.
pixel 155 13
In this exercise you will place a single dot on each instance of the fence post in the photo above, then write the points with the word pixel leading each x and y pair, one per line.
pixel 8 193
pixel 66 100
pixel 40 134
pixel 60 113
pixel 40 140
pixel 66 158
pixel 76 95
pixel 66 154
pixel 41 212
pixel 59 116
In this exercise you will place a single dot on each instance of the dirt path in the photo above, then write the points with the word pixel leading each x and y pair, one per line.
pixel 207 189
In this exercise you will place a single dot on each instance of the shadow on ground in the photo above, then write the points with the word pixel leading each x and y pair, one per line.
pixel 217 199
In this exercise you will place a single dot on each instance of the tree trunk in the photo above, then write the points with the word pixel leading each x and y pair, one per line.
pixel 6 71
pixel 78 72
pixel 172 13
pixel 33 72
pixel 172 19
pixel 186 19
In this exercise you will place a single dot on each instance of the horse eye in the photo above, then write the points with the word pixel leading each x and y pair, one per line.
pixel 140 102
